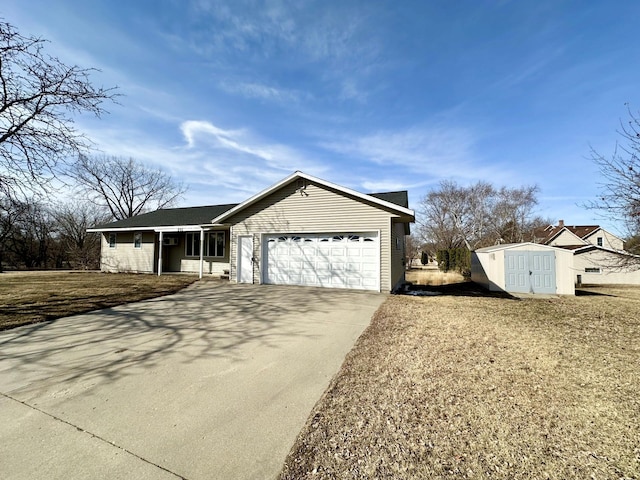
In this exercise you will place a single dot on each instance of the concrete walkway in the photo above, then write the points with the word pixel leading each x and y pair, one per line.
pixel 213 382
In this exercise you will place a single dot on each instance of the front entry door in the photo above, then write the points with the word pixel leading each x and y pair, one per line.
pixel 245 259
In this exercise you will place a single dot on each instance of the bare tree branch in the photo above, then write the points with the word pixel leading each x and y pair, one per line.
pixel 452 216
pixel 619 198
pixel 125 187
pixel 39 95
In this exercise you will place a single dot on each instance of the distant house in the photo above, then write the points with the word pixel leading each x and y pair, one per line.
pixel 562 235
pixel 598 255
pixel 300 231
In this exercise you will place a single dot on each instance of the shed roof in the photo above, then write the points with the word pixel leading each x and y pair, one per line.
pixel 507 246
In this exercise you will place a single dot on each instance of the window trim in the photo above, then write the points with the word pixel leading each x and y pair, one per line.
pixel 600 241
pixel 137 240
pixel 192 242
pixel 112 243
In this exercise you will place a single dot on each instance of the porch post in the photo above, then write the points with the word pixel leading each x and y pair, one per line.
pixel 161 237
pixel 201 250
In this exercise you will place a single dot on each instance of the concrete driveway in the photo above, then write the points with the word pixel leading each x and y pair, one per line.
pixel 213 382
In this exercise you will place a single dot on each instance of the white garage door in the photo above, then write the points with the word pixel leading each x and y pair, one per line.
pixel 336 260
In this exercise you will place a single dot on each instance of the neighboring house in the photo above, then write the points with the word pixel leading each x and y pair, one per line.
pixel 598 255
pixel 562 235
pixel 300 231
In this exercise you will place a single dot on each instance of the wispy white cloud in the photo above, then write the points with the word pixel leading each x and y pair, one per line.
pixel 332 48
pixel 241 143
pixel 393 184
pixel 438 151
pixel 261 91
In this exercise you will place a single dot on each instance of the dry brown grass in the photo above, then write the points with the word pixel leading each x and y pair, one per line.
pixel 432 276
pixel 484 387
pixel 30 297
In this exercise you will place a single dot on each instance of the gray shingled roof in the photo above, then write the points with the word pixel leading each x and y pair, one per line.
pixel 399 198
pixel 166 217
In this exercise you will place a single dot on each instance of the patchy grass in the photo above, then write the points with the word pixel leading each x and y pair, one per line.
pixel 484 387
pixel 31 297
pixel 432 276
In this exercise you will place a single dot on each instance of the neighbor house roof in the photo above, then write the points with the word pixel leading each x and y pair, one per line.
pixel 548 233
pixel 572 247
pixel 166 217
pixel 590 248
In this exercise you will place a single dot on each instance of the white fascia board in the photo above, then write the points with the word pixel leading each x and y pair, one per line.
pixel 311 178
pixel 122 229
pixel 163 229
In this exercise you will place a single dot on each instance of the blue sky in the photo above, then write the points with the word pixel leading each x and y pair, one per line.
pixel 232 96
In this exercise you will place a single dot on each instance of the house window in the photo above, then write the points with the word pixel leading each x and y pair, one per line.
pixel 592 270
pixel 112 240
pixel 599 241
pixel 214 244
pixel 398 243
pixel 137 240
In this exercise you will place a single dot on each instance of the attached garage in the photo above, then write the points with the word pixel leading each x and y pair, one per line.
pixel 335 260
pixel 524 268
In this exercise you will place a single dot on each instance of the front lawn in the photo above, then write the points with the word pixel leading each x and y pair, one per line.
pixel 461 386
pixel 30 297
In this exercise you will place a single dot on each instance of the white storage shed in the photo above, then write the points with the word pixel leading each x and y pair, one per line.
pixel 524 268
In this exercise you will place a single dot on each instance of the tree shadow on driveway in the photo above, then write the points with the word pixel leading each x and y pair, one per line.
pixel 206 320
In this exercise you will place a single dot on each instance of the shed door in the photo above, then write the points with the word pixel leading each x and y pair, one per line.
pixel 530 272
pixel 336 260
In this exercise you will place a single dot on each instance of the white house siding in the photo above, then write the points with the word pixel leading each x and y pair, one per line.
pixel 124 257
pixel 611 265
pixel 608 240
pixel 488 266
pixel 210 266
pixel 317 209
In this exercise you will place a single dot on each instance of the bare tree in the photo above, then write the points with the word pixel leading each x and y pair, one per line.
pixel 453 216
pixel 619 199
pixel 11 211
pixel 436 221
pixel 39 94
pixel 412 249
pixel 81 248
pixel 31 237
pixel 125 187
pixel 511 217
